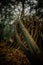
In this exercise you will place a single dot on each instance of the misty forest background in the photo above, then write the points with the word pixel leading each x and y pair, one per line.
pixel 21 32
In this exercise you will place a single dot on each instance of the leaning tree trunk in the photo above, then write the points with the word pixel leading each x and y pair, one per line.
pixel 31 43
pixel 28 53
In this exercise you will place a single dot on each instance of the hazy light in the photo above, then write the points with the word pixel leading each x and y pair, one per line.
pixel 27 11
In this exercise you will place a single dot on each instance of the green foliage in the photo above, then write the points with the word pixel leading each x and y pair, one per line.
pixel 8 31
